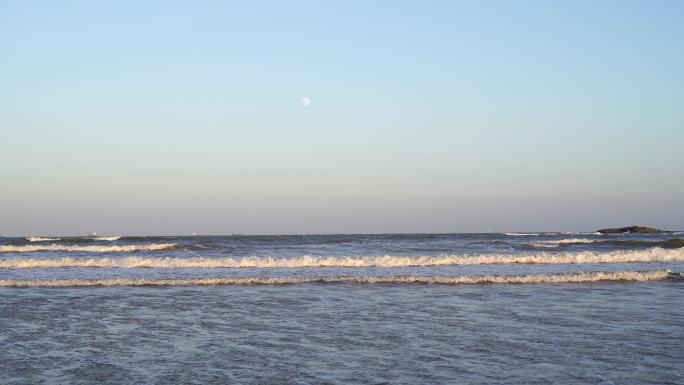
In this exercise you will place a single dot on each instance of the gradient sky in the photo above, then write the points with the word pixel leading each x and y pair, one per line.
pixel 168 117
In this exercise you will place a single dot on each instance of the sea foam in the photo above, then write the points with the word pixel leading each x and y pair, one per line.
pixel 623 276
pixel 556 243
pixel 114 238
pixel 522 234
pixel 307 261
pixel 41 239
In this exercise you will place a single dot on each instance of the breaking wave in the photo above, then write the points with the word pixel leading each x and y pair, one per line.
pixel 557 243
pixel 73 239
pixel 623 276
pixel 92 249
pixel 588 257
pixel 41 239
pixel 668 244
pixel 522 234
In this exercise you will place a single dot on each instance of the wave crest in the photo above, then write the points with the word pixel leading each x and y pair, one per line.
pixel 92 249
pixel 41 239
pixel 522 234
pixel 673 243
pixel 114 238
pixel 622 276
pixel 651 255
pixel 556 243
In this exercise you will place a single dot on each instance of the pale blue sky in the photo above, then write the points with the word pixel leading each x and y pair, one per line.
pixel 170 117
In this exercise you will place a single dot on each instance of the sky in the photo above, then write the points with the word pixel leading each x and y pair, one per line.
pixel 173 117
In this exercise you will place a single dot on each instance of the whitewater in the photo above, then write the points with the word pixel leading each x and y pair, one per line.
pixel 91 249
pixel 307 261
pixel 624 276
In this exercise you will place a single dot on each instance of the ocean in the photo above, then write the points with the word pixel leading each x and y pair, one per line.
pixel 510 308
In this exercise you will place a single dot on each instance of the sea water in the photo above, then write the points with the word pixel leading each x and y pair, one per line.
pixel 516 308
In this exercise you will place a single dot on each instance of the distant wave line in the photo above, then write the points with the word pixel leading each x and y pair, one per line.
pixel 673 243
pixel 307 261
pixel 622 276
pixel 522 234
pixel 75 239
pixel 559 242
pixel 91 248
pixel 41 239
pixel 114 238
pixel 551 234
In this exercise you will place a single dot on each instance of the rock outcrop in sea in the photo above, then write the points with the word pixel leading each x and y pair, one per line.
pixel 632 230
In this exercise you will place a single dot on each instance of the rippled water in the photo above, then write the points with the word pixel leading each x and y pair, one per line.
pixel 468 308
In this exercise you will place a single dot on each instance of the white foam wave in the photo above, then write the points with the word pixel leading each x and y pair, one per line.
pixel 388 261
pixel 522 234
pixel 108 238
pixel 559 242
pixel 90 248
pixel 622 276
pixel 41 239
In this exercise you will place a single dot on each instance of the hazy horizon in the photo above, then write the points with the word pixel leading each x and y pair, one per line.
pixel 158 118
pixel 515 232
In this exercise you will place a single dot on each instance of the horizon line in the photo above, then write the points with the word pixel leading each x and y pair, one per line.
pixel 587 232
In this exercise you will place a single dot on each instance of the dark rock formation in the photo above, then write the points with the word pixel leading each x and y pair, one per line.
pixel 632 230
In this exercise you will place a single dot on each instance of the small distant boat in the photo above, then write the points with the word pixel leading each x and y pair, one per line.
pixel 92 235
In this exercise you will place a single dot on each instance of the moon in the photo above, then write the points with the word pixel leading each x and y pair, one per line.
pixel 306 101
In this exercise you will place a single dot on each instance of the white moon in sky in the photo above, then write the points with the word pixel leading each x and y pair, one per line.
pixel 306 101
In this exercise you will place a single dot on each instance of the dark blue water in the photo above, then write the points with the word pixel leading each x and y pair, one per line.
pixel 453 308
